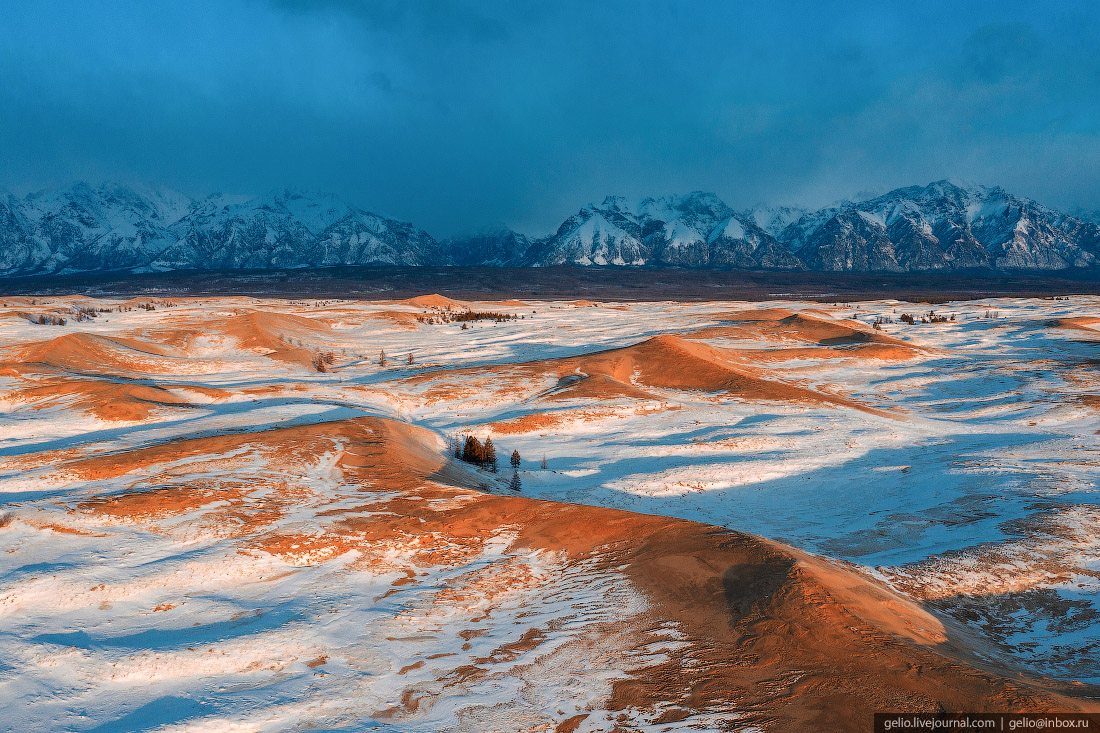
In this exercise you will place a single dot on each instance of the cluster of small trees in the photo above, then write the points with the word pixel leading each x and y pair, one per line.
pixel 474 451
pixel 322 361
pixel 929 317
pixel 448 316
pixel 87 314
pixel 484 316
pixel 76 313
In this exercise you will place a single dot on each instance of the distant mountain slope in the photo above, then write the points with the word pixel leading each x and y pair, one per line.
pixel 941 226
pixel 114 227
pixel 696 230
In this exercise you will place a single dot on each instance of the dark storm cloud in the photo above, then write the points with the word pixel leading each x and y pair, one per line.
pixel 459 115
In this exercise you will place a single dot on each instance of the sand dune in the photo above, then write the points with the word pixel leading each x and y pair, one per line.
pixel 282 336
pixel 435 300
pixel 780 324
pixel 112 401
pixel 671 362
pixel 88 353
pixel 1084 325
pixel 660 362
pixel 831 338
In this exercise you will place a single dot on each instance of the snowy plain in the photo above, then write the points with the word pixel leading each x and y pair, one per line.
pixel 963 472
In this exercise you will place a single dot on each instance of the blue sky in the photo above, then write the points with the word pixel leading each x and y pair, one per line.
pixel 459 116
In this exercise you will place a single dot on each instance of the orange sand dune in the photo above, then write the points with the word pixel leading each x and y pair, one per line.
pixel 276 335
pixel 779 323
pixel 596 387
pixel 1087 324
pixel 755 315
pixel 123 401
pixel 671 362
pixel 871 350
pixel 786 639
pixel 829 333
pixel 662 362
pixel 847 338
pixel 536 421
pixel 88 353
pixel 400 453
pixel 435 301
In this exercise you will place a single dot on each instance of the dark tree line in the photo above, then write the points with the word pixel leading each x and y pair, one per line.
pixel 474 451
pixel 929 317
pixel 450 316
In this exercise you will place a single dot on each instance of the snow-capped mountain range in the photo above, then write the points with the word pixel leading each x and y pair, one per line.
pixel 941 226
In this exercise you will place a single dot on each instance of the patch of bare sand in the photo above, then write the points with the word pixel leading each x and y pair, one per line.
pixel 145 505
pixel 541 421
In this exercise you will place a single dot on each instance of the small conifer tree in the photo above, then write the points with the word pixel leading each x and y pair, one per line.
pixel 491 454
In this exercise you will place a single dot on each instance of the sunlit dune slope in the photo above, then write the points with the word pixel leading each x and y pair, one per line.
pixel 662 362
pixel 670 362
pixel 435 301
pixel 1083 325
pixel 282 336
pixel 106 400
pixel 822 336
pixel 88 353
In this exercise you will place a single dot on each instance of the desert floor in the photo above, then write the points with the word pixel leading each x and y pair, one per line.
pixel 750 516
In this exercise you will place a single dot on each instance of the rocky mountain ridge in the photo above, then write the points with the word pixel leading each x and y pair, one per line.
pixel 941 226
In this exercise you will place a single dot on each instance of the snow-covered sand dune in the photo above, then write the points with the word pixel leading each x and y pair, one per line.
pixel 205 532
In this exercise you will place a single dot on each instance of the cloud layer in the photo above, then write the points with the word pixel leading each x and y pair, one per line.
pixel 462 115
